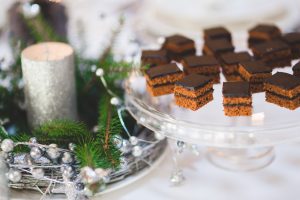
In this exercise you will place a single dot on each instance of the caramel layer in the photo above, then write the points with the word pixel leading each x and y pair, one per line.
pixel 181 90
pixel 172 78
pixel 179 49
pixel 289 93
pixel 162 90
pixel 260 77
pixel 290 104
pixel 193 104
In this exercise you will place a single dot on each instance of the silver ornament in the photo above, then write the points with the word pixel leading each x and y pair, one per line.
pixel 123 163
pixel 133 140
pixel 7 145
pixel 118 141
pixel 177 177
pixel 115 101
pixel 14 175
pixel 72 147
pixel 33 140
pixel 67 158
pixel 101 172
pixel 38 173
pixel 79 186
pixel 9 158
pixel 159 135
pixel 30 10
pixel 126 147
pixel 181 146
pixel 89 176
pixel 27 160
pixel 137 151
pixel 88 192
pixel 53 151
pixel 99 72
pixel 35 153
pixel 67 171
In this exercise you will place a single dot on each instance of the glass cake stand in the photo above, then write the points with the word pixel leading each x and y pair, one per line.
pixel 234 143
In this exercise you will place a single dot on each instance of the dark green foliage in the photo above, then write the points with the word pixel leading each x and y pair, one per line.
pixel 61 132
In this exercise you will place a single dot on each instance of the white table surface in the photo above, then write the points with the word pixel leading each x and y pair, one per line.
pixel 279 181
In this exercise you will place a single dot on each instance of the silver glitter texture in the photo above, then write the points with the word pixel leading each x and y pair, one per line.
pixel 49 77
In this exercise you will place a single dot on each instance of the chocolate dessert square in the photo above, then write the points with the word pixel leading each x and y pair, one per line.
pixel 217 33
pixel 274 53
pixel 296 69
pixel 263 32
pixel 283 89
pixel 154 57
pixel 237 99
pixel 230 63
pixel 204 65
pixel 161 79
pixel 293 40
pixel 255 72
pixel 193 91
pixel 217 47
pixel 179 46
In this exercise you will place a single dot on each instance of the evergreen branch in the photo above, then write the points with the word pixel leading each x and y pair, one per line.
pixel 88 153
pixel 61 131
pixel 107 128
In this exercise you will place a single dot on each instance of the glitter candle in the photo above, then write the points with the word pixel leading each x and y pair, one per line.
pixel 49 77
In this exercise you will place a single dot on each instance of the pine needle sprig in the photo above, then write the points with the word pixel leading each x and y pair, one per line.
pixel 109 125
pixel 61 132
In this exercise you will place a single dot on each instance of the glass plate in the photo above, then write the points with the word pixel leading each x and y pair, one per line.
pixel 268 125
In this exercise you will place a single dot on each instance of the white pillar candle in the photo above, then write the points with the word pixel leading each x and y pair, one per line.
pixel 49 77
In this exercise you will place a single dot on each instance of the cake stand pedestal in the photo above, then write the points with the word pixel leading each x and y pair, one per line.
pixel 246 159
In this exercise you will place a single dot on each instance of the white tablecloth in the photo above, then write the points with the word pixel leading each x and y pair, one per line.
pixel 279 181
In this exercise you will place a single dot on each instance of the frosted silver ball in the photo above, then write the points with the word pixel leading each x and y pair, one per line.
pixel 133 140
pixel 33 140
pixel 88 192
pixel 30 11
pixel 53 152
pixel 9 158
pixel 38 173
pixel 27 160
pixel 7 145
pixel 67 158
pixel 126 146
pixel 137 151
pixel 99 72
pixel 14 175
pixel 89 175
pixel 180 144
pixel 159 136
pixel 123 163
pixel 35 153
pixel 118 141
pixel 72 147
pixel 67 171
pixel 79 186
pixel 115 101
